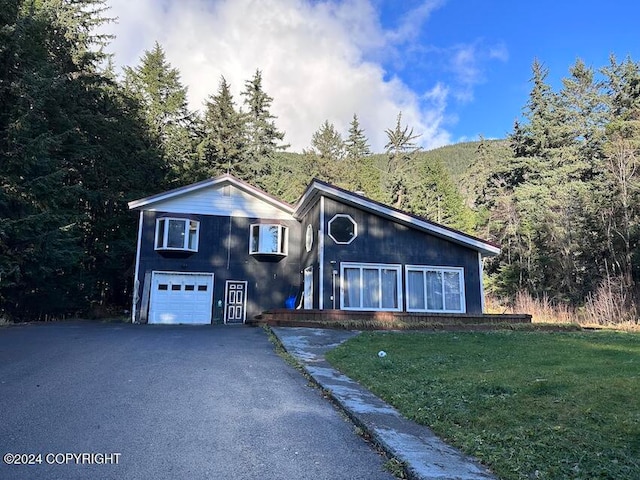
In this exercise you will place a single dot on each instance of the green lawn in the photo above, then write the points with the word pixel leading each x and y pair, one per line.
pixel 530 405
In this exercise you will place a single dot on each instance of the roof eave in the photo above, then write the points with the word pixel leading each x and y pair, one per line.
pixel 317 187
pixel 148 201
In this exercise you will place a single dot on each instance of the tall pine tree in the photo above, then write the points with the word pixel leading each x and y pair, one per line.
pixel 264 139
pixel 74 151
pixel 157 86
pixel 224 144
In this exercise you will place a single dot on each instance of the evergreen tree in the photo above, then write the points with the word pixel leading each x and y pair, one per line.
pixel 326 154
pixel 530 200
pixel 585 105
pixel 400 149
pixel 327 142
pixel 157 86
pixel 264 138
pixel 356 144
pixel 73 152
pixel 224 138
pixel 620 192
pixel 433 196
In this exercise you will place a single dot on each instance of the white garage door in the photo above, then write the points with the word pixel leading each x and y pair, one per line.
pixel 181 297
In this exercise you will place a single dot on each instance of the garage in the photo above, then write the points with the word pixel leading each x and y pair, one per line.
pixel 178 297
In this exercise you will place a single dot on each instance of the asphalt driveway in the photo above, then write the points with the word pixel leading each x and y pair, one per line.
pixel 166 402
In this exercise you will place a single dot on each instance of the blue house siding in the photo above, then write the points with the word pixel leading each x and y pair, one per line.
pixel 224 251
pixel 381 240
pixel 226 207
pixel 310 259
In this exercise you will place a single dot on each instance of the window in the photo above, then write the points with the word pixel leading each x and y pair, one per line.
pixel 268 239
pixel 308 241
pixel 435 289
pixel 343 229
pixel 371 287
pixel 177 234
pixel 308 288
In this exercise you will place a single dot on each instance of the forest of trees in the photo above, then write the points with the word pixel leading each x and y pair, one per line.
pixel 79 140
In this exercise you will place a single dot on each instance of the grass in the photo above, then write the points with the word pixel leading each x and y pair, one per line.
pixel 530 405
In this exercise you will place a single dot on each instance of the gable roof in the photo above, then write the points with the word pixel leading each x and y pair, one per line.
pixel 216 182
pixel 318 188
pixel 313 193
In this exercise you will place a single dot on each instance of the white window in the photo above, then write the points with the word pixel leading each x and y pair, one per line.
pixel 435 289
pixel 268 239
pixel 371 287
pixel 308 241
pixel 177 234
pixel 308 288
pixel 343 229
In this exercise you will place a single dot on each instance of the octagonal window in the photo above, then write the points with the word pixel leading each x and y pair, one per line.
pixel 343 229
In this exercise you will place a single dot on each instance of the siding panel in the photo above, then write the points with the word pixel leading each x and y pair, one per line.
pixel 381 240
pixel 224 251
pixel 222 201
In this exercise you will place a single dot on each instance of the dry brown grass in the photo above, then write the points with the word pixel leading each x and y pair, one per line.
pixel 609 307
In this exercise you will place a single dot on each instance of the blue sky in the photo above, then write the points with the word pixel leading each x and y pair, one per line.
pixel 556 32
pixel 454 68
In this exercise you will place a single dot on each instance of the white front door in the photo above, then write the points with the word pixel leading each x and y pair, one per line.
pixel 178 297
pixel 235 309
pixel 308 288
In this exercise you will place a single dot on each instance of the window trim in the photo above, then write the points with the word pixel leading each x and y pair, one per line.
pixel 283 243
pixel 165 234
pixel 442 269
pixel 379 266
pixel 355 228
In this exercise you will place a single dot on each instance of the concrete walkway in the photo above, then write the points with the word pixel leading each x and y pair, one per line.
pixel 424 454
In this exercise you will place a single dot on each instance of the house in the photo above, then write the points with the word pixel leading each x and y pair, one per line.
pixel 222 251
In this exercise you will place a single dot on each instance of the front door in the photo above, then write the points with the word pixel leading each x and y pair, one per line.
pixel 235 309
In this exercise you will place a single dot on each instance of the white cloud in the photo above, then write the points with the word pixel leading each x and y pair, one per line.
pixel 413 21
pixel 312 56
pixel 466 63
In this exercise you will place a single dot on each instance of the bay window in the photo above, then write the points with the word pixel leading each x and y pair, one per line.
pixel 268 239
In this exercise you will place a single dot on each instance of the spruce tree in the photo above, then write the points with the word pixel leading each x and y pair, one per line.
pixel 621 169
pixel 356 144
pixel 224 145
pixel 326 154
pixel 156 85
pixel 264 139
pixel 73 154
pixel 327 142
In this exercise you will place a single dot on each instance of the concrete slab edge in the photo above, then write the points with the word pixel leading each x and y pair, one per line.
pixel 411 472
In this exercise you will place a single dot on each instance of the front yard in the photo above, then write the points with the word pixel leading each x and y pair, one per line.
pixel 530 405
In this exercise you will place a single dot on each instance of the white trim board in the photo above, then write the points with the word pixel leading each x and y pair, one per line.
pixel 318 188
